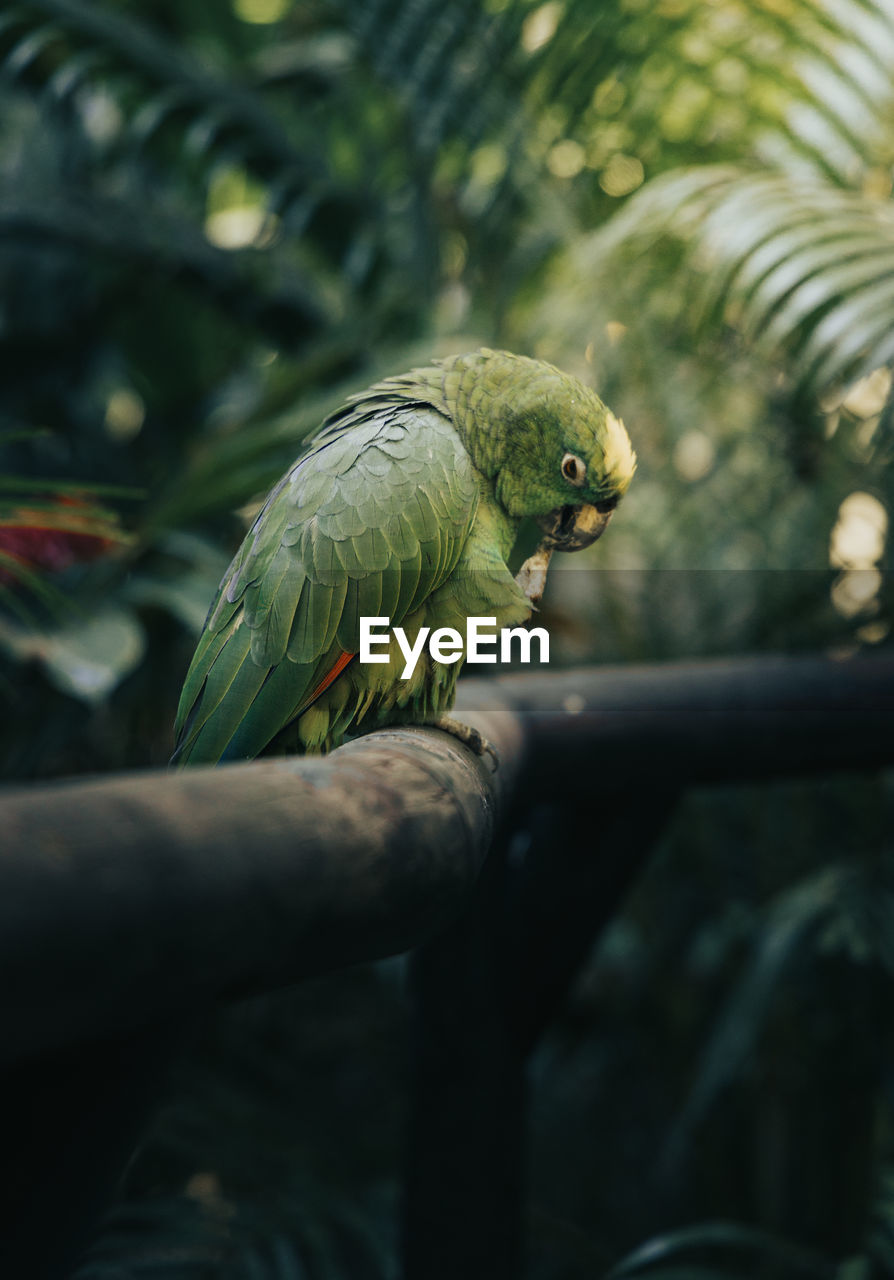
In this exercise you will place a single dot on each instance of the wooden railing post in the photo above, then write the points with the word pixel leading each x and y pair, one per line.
pixel 464 1185
pixel 484 991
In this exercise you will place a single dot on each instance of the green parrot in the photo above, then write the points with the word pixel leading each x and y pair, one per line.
pixel 405 505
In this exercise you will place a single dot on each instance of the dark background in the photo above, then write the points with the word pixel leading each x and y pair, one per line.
pixel 217 220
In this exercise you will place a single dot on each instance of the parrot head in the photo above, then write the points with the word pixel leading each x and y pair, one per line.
pixel 596 467
pixel 552 448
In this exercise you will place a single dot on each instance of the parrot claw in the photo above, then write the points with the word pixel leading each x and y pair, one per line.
pixel 531 577
pixel 470 738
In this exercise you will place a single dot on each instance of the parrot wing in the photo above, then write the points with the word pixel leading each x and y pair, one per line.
pixel 369 522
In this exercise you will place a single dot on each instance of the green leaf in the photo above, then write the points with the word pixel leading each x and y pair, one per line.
pixel 729 1237
pixel 86 659
pixel 804 269
pixel 792 918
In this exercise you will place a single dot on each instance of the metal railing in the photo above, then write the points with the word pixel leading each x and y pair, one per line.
pixel 129 903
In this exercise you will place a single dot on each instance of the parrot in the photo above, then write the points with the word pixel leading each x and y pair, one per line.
pixel 405 504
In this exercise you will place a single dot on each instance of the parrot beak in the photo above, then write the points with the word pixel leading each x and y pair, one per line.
pixel 573 528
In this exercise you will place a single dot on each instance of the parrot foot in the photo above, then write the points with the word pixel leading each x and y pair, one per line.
pixel 531 577
pixel 469 737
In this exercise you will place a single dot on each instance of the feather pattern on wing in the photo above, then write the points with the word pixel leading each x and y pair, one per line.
pixel 370 520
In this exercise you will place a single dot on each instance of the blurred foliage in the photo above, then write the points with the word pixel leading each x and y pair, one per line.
pixel 218 219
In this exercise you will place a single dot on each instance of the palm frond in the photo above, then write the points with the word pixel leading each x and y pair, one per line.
pixel 793 921
pixel 63 43
pixel 278 300
pixel 740 1248
pixel 809 80
pixel 802 268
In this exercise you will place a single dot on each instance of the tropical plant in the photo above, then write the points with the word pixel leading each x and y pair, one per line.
pixel 216 220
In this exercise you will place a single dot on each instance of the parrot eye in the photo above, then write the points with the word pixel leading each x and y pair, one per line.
pixel 574 471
